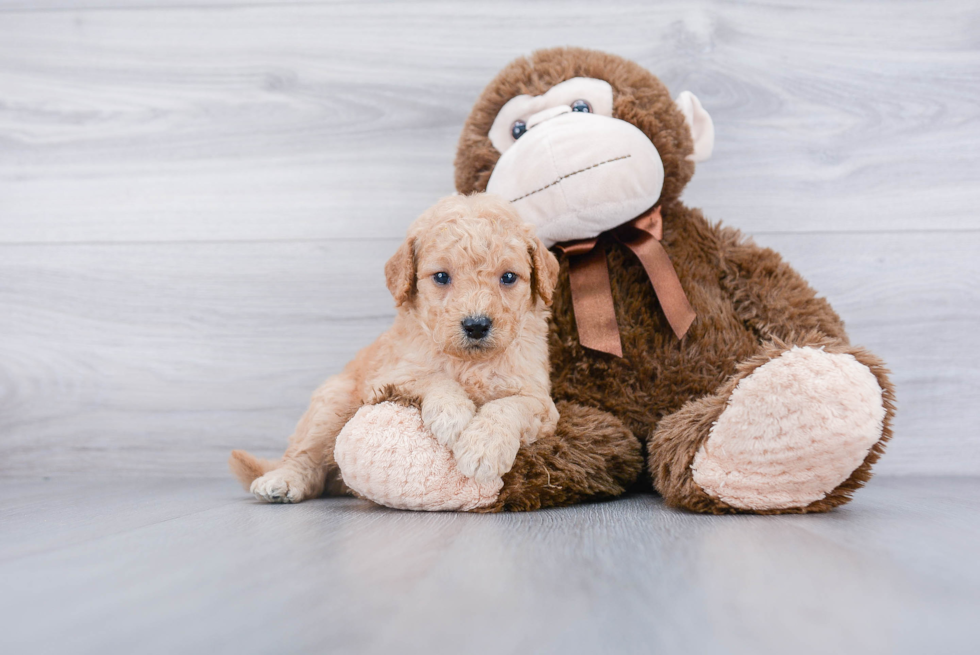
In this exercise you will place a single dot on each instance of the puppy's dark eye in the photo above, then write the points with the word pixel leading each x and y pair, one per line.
pixel 518 129
pixel 582 106
pixel 508 278
pixel 441 277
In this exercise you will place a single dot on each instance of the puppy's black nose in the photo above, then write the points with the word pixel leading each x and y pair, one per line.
pixel 476 327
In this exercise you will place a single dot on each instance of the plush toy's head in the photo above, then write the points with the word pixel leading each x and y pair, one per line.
pixel 580 142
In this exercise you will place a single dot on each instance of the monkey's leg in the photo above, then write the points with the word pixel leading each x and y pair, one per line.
pixel 795 430
pixel 591 455
pixel 389 457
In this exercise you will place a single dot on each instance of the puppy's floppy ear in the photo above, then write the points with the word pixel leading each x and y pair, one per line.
pixel 544 269
pixel 400 272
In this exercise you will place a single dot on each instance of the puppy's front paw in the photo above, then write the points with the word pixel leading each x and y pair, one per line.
pixel 279 486
pixel 446 420
pixel 485 450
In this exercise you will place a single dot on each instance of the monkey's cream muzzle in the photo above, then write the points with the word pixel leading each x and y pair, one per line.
pixel 574 175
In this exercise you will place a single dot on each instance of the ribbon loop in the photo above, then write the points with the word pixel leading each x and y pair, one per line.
pixel 592 302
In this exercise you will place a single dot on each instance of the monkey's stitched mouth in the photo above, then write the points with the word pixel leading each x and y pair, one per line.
pixel 563 177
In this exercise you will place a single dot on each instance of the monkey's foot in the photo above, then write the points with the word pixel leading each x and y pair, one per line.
pixel 387 455
pixel 793 430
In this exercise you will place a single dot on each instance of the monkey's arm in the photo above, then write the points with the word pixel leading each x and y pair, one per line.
pixel 771 297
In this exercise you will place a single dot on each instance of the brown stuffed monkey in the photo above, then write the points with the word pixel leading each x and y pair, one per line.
pixel 681 352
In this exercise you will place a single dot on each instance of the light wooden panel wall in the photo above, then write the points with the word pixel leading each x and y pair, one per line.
pixel 196 201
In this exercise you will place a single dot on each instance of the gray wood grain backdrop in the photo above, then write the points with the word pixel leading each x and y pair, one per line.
pixel 196 199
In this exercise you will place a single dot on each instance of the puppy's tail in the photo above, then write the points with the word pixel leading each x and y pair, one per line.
pixel 247 467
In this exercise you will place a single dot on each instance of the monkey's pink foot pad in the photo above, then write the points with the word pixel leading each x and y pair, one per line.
pixel 386 455
pixel 793 431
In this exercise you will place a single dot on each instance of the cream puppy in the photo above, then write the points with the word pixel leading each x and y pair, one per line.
pixel 472 284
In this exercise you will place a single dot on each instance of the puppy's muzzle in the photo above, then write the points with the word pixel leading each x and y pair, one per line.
pixel 476 327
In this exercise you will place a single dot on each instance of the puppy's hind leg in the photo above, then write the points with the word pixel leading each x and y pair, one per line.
pixel 308 467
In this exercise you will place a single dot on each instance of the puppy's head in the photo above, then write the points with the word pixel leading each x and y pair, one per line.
pixel 473 273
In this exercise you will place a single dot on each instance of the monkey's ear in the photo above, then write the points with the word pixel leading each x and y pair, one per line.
pixel 698 120
pixel 544 269
pixel 400 272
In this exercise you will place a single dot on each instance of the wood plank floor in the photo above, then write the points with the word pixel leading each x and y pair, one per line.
pixel 195 566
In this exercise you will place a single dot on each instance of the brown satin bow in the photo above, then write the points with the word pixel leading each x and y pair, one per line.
pixel 592 299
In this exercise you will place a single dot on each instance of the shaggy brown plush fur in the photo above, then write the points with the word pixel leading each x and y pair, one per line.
pixel 751 306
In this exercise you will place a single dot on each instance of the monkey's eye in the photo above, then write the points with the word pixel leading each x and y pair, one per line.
pixel 518 129
pixel 582 106
pixel 508 278
pixel 441 278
